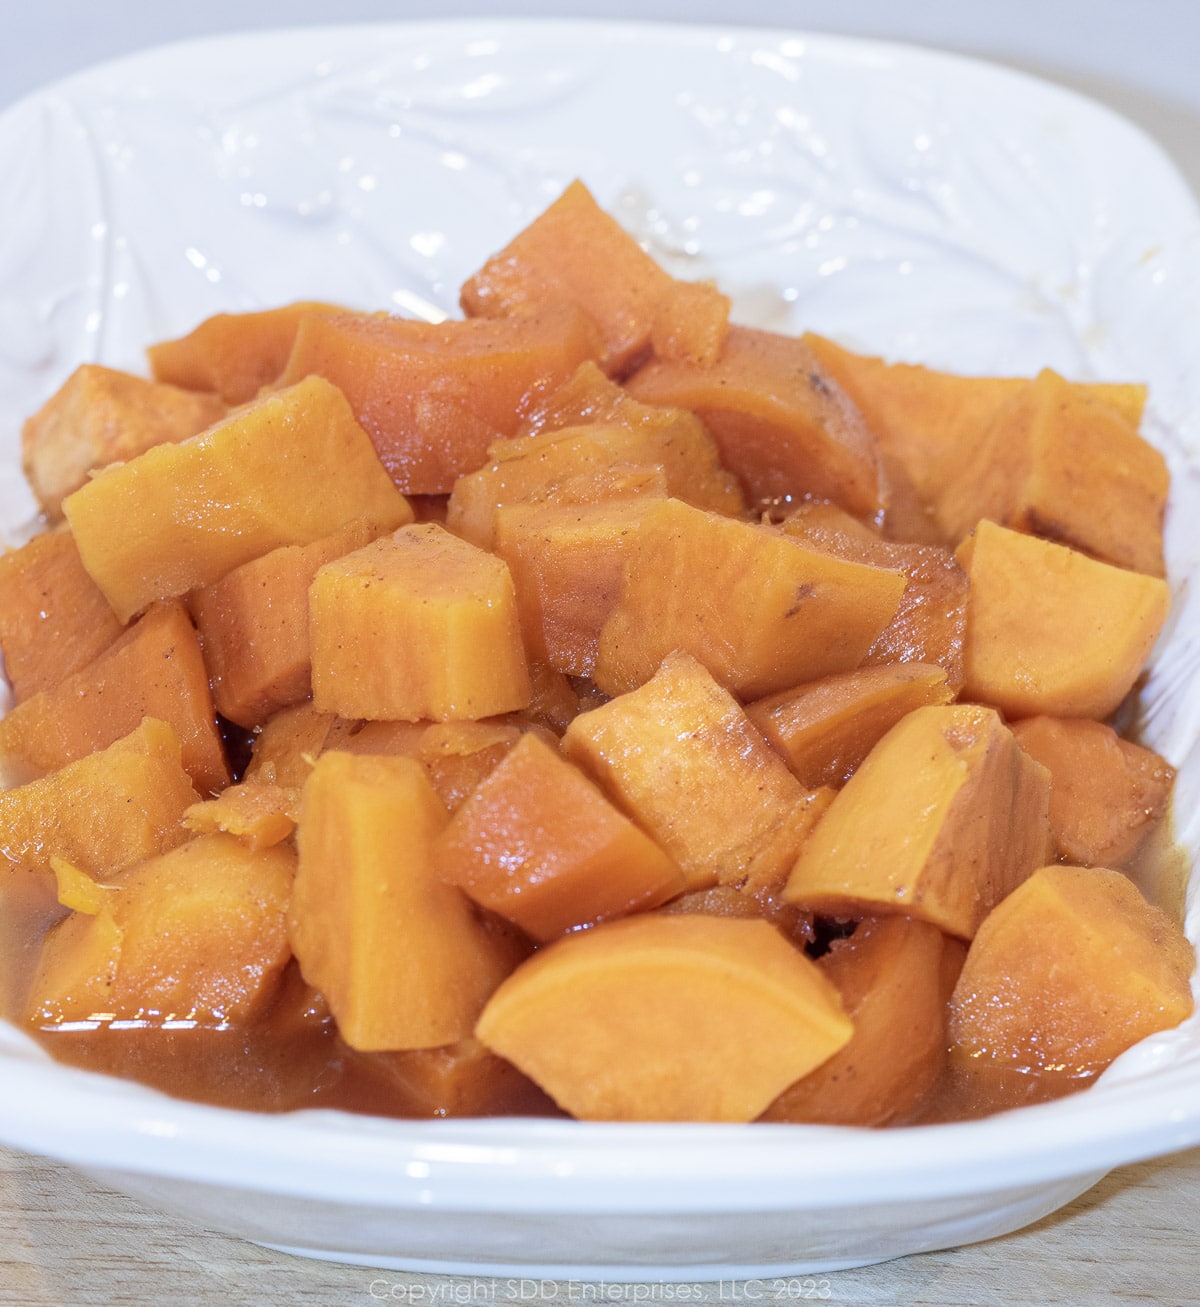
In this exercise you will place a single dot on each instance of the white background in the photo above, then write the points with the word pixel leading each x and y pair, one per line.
pixel 1139 55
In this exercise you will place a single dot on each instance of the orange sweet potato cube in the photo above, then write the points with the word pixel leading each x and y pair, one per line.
pixel 196 934
pixel 400 956
pixel 282 753
pixel 944 818
pixel 253 626
pixel 783 426
pixel 1106 793
pixel 1069 971
pixel 102 813
pixel 539 844
pixel 633 1020
pixel 576 251
pixel 53 618
pixel 258 813
pixel 154 669
pixel 1057 462
pixel 931 423
pixel 760 610
pixel 101 416
pixel 431 397
pixel 889 976
pixel 1051 631
pixel 824 729
pixel 929 625
pixel 235 354
pixel 287 470
pixel 566 563
pixel 685 762
pixel 457 1080
pixel 674 437
pixel 446 613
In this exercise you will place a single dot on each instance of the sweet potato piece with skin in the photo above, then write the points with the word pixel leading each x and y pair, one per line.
pixel 889 976
pixel 1051 631
pixel 433 397
pixel 576 251
pixel 1105 792
pixel 683 760
pixel 824 729
pixel 1058 463
pixel 930 622
pixel 101 416
pixel 537 843
pixel 154 669
pixel 758 608
pixel 287 470
pixel 235 354
pixel 401 957
pixel 253 626
pixel 53 618
pixel 196 934
pixel 666 1018
pixel 566 564
pixel 944 818
pixel 1069 971
pixel 445 611
pixel 102 813
pixel 929 420
pixel 782 425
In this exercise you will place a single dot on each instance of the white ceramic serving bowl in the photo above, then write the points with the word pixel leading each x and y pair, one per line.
pixel 915 204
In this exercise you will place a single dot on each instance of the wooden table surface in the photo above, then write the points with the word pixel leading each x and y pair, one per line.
pixel 1135 1238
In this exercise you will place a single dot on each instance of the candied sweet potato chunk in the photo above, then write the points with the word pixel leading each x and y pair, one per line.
pixel 235 354
pixel 456 1080
pixel 576 251
pixel 556 465
pixel 1069 971
pixel 198 933
pixel 539 844
pixel 1051 631
pixel 53 618
pixel 633 1020
pixel 758 608
pixel 101 416
pixel 399 955
pixel 1057 462
pixel 929 625
pixel 1105 792
pixel 784 427
pixel 282 753
pixel 682 758
pixel 932 422
pixel 566 563
pixel 825 728
pixel 944 817
pixel 102 813
pixel 258 813
pixel 674 437
pixel 154 669
pixel 253 625
pixel 889 976
pixel 433 397
pixel 287 470
pixel 446 613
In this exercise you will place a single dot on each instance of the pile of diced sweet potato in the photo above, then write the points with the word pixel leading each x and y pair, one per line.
pixel 709 723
